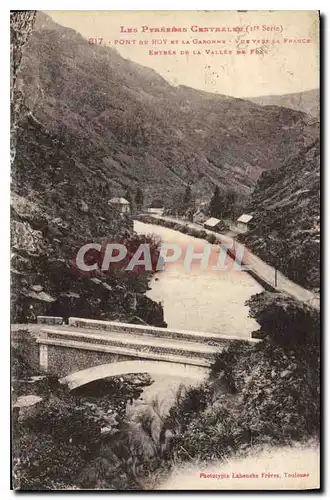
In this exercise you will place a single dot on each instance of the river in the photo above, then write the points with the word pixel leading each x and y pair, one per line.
pixel 194 299
pixel 211 301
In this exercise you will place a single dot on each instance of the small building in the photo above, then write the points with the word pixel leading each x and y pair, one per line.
pixel 120 204
pixel 243 222
pixel 213 224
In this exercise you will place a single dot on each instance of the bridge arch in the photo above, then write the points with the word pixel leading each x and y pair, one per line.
pixel 82 377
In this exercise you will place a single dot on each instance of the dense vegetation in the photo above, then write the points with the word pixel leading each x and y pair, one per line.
pixel 69 441
pixel 224 203
pixel 227 204
pixel 266 393
pixel 285 229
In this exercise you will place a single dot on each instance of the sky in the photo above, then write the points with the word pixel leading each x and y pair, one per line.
pixel 274 61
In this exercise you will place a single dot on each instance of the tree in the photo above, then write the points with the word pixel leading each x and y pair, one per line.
pixel 230 200
pixel 225 204
pixel 139 198
pixel 180 202
pixel 187 197
pixel 128 196
pixel 216 203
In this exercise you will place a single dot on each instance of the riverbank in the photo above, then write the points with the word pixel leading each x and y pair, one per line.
pixel 261 272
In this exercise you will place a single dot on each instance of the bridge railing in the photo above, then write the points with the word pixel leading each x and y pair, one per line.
pixel 128 328
pixel 129 341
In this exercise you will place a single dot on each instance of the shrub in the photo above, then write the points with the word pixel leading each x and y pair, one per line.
pixel 211 238
pixel 257 393
pixel 193 232
pixel 24 357
pixel 67 441
pixel 184 229
pixel 52 444
pixel 285 320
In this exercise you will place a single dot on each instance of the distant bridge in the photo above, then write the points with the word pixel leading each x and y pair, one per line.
pixel 87 349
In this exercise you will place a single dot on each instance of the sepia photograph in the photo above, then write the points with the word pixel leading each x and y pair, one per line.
pixel 165 250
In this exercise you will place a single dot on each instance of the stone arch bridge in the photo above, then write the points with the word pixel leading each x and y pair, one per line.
pixel 86 350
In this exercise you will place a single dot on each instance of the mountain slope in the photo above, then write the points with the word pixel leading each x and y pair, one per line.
pixel 56 208
pixel 133 127
pixel 285 229
pixel 307 102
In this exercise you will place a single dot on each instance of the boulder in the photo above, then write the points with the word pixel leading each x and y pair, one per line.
pixel 83 207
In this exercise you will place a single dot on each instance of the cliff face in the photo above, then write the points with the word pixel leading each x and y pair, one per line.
pixel 285 230
pixel 21 25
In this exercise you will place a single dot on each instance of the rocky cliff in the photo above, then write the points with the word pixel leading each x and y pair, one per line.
pixel 21 25
pixel 58 204
pixel 285 229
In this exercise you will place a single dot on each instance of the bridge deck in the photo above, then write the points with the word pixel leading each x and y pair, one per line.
pixel 86 343
pixel 132 339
